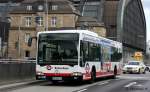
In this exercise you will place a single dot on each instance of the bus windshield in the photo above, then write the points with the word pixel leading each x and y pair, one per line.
pixel 58 49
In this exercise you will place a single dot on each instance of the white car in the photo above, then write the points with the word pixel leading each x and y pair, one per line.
pixel 134 67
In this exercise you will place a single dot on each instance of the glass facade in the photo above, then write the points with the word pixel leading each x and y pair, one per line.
pixel 124 21
pixel 134 26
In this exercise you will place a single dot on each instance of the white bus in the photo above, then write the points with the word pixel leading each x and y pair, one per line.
pixel 76 55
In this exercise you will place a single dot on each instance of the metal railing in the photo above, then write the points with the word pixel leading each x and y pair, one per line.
pixel 16 61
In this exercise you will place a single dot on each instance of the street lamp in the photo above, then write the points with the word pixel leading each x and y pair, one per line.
pixel 84 7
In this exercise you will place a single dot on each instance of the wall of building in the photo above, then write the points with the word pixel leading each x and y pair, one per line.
pixel 17 46
pixel 110 18
pixel 101 31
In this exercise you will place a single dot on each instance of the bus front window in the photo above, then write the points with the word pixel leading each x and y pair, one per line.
pixel 58 49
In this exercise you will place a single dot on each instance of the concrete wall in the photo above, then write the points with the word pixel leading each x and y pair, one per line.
pixel 16 71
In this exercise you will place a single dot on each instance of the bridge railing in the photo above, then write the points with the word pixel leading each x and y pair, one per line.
pixel 11 70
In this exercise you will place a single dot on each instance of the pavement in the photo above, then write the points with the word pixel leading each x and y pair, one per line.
pixel 17 84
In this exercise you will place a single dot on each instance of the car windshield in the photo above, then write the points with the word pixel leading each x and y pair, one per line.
pixel 133 63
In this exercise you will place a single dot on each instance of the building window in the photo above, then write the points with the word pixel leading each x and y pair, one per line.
pixel 29 7
pixel 17 45
pixel 39 21
pixel 53 21
pixel 27 53
pixel 28 21
pixel 27 36
pixel 54 7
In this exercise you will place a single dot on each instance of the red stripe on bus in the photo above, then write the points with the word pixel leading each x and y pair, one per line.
pixel 58 74
pixel 103 74
pixel 87 78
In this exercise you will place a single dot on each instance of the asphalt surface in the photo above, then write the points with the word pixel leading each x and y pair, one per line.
pixel 123 83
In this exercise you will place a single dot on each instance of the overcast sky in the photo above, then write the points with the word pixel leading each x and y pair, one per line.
pixel 146 5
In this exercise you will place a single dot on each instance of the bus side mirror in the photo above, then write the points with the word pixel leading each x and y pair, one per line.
pixel 30 41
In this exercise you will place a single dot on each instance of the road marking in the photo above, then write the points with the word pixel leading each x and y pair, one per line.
pixel 106 82
pixel 139 85
pixel 82 90
pixel 117 79
pixel 135 77
pixel 130 84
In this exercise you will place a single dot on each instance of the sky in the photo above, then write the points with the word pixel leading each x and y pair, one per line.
pixel 146 5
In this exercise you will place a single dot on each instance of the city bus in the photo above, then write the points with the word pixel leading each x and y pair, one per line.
pixel 65 55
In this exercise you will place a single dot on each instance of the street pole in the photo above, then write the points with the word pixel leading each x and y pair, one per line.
pixel 19 42
pixel 1 47
pixel 46 11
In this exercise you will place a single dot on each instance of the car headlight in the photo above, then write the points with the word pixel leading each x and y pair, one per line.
pixel 136 68
pixel 77 74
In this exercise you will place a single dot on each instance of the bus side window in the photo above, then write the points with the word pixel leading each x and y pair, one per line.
pixel 83 53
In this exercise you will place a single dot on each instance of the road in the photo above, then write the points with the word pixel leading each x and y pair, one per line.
pixel 123 83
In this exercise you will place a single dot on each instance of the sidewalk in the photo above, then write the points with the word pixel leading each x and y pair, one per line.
pixel 18 84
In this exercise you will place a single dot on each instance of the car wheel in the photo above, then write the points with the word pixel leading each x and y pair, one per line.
pixel 139 71
pixel 124 72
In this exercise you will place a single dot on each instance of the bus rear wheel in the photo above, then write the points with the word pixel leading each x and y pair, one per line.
pixel 115 72
pixel 93 76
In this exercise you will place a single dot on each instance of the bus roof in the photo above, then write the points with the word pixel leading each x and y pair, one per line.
pixel 71 31
pixel 90 33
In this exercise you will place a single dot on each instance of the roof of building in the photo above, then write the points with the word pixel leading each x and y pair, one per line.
pixel 32 1
pixel 63 6
pixel 13 1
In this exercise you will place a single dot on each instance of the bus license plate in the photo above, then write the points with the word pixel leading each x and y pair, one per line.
pixel 56 78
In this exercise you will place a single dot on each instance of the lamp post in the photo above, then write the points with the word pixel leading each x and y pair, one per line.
pixel 46 11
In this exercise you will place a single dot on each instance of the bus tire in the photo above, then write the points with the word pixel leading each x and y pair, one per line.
pixel 115 72
pixel 93 75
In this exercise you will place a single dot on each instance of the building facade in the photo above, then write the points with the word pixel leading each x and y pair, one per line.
pixel 91 24
pixel 31 17
pixel 131 27
pixel 148 48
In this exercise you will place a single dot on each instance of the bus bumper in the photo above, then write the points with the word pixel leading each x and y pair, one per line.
pixel 59 78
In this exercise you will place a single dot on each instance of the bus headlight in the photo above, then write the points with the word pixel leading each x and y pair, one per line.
pixel 77 74
pixel 39 73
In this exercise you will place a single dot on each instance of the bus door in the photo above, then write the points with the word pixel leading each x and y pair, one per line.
pixel 106 58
